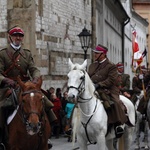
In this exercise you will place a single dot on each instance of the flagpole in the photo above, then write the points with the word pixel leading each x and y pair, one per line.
pixel 143 86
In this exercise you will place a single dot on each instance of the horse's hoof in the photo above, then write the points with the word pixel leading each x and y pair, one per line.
pixel 50 145
pixel 69 139
pixel 137 148
pixel 146 147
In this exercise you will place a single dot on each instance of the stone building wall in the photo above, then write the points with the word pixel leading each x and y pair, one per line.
pixel 51 28
pixel 57 25
pixel 3 23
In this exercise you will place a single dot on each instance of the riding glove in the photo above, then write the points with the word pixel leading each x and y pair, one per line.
pixel 35 80
pixel 8 82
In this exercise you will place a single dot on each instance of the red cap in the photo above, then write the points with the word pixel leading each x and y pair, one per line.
pixel 100 49
pixel 119 65
pixel 16 30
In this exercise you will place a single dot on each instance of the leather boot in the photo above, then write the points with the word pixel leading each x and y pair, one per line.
pixel 2 146
pixel 51 116
pixel 119 130
pixel 9 102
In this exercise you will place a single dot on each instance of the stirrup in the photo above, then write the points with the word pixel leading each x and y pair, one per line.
pixel 2 146
pixel 119 131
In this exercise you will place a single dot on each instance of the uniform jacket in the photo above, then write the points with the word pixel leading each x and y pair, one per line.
pixel 136 84
pixel 124 82
pixel 105 74
pixel 25 62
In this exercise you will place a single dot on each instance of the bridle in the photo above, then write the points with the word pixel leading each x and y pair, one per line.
pixel 81 89
pixel 25 115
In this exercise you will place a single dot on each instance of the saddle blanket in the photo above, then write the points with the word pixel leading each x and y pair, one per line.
pixel 10 118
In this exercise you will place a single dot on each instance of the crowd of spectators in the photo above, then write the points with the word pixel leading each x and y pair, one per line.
pixel 62 109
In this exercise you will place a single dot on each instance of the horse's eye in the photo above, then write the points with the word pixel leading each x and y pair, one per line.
pixel 82 77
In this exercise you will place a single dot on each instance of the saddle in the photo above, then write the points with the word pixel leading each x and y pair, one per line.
pixel 104 96
pixel 10 100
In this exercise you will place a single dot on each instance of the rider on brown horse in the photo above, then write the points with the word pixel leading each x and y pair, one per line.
pixel 16 61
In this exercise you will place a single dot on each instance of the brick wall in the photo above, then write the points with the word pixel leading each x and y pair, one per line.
pixel 51 28
pixel 57 25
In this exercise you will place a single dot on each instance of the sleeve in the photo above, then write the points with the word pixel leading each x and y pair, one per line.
pixel 135 85
pixel 1 67
pixel 126 86
pixel 33 70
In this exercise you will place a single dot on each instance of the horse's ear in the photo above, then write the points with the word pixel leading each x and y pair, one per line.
pixel 71 65
pixel 21 84
pixel 84 65
pixel 39 83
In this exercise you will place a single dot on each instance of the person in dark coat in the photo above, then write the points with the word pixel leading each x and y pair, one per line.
pixel 123 80
pixel 50 91
pixel 104 74
pixel 16 61
pixel 141 82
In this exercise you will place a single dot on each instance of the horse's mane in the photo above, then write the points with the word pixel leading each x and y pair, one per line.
pixel 89 83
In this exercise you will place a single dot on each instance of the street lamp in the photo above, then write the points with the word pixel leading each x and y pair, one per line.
pixel 85 38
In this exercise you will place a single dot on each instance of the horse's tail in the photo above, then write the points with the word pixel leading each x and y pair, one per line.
pixel 75 122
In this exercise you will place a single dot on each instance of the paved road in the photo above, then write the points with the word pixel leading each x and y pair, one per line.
pixel 63 144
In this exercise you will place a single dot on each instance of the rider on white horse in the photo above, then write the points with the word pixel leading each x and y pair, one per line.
pixel 104 75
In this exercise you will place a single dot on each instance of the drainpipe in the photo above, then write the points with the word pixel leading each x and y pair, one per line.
pixel 93 26
pixel 123 37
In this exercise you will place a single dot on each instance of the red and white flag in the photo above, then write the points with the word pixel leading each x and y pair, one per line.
pixel 137 57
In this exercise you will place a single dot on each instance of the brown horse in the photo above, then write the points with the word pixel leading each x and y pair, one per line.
pixel 30 128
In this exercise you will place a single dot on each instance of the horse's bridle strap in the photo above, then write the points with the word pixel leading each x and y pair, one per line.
pixel 31 91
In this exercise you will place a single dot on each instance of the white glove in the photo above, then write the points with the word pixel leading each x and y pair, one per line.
pixel 141 76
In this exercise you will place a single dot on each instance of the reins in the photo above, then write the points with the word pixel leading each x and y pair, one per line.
pixel 81 89
pixel 85 124
pixel 24 116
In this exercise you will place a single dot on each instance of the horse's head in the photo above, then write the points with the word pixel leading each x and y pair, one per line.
pixel 78 80
pixel 31 105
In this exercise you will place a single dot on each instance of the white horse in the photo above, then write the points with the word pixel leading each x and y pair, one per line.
pixel 141 121
pixel 90 118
